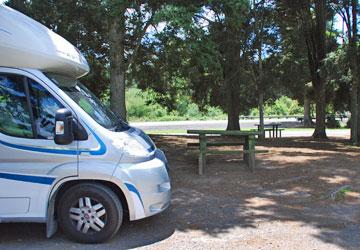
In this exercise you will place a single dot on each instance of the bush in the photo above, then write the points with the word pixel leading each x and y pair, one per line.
pixel 141 107
pixel 282 106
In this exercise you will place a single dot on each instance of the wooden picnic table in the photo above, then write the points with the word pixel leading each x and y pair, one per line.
pixel 274 128
pixel 248 145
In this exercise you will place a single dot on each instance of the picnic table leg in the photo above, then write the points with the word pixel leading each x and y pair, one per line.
pixel 246 147
pixel 202 156
pixel 251 153
pixel 273 131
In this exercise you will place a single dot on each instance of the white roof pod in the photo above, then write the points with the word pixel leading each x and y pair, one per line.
pixel 25 43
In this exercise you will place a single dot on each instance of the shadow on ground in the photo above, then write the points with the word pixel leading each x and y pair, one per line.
pixel 291 185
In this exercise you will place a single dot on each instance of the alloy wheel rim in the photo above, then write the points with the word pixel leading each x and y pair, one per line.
pixel 88 215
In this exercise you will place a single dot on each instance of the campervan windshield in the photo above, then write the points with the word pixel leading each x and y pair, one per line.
pixel 88 102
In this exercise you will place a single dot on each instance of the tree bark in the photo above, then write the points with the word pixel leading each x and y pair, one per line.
pixel 358 116
pixel 354 106
pixel 318 55
pixel 261 114
pixel 233 117
pixel 232 91
pixel 232 96
pixel 354 113
pixel 307 116
pixel 117 63
pixel 259 26
pixel 354 67
pixel 232 71
pixel 320 132
pixel 261 93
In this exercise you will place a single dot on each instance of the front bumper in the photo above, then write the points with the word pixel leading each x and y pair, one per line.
pixel 147 185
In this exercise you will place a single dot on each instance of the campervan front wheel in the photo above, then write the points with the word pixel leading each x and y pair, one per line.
pixel 89 213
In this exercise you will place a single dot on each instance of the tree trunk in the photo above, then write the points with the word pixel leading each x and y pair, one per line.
pixel 117 63
pixel 232 99
pixel 319 53
pixel 307 116
pixel 354 113
pixel 320 127
pixel 261 97
pixel 261 114
pixel 261 88
pixel 232 75
pixel 233 119
pixel 259 36
pixel 358 116
pixel 355 71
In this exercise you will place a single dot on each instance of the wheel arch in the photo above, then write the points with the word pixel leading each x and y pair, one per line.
pixel 51 222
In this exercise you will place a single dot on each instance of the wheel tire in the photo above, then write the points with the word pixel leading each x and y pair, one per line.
pixel 104 196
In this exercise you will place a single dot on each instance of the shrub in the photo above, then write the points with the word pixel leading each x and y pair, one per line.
pixel 141 106
pixel 282 106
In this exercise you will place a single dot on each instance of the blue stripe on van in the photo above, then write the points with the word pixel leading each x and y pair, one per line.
pixel 40 150
pixel 132 188
pixel 28 178
pixel 100 151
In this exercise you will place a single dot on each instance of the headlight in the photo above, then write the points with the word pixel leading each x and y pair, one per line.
pixel 135 148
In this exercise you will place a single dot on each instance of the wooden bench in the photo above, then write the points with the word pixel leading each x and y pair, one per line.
pixel 248 144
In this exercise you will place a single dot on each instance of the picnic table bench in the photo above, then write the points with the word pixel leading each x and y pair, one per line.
pixel 248 145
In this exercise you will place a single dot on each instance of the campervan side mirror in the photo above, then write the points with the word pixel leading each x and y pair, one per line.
pixel 64 134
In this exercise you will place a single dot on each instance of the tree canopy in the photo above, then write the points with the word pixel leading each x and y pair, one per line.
pixel 234 54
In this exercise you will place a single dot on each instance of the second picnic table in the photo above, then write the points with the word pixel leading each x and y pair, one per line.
pixel 272 128
pixel 248 145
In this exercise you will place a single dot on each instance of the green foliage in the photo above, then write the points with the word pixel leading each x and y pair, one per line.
pixel 341 194
pixel 339 78
pixel 142 106
pixel 282 106
pixel 199 59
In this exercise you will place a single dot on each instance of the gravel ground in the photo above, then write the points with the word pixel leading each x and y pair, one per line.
pixel 343 133
pixel 284 204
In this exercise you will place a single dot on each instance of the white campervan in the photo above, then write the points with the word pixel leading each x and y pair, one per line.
pixel 64 157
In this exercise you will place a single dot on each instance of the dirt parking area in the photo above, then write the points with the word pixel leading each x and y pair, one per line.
pixel 287 203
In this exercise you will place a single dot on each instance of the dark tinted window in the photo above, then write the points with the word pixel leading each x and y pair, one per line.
pixel 14 113
pixel 44 107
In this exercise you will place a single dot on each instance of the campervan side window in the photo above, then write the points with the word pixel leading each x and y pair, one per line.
pixel 15 119
pixel 44 107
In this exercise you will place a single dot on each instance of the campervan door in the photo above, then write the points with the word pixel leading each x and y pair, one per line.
pixel 30 159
